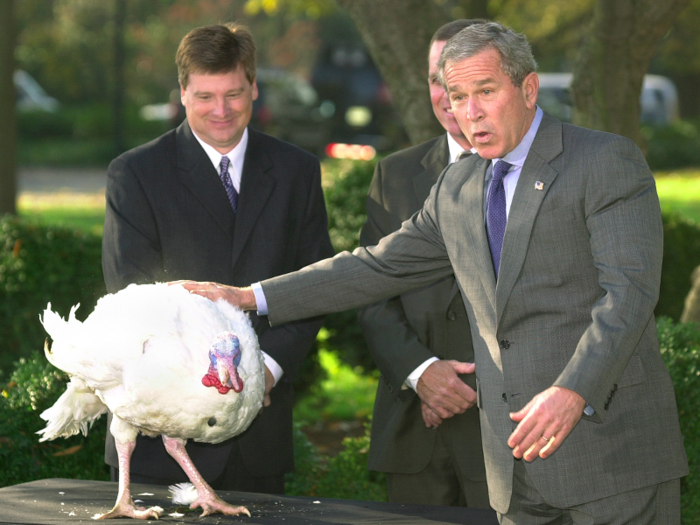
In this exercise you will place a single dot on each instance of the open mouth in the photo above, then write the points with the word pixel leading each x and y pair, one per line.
pixel 482 136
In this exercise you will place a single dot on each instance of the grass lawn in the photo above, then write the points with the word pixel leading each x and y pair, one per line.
pixel 679 190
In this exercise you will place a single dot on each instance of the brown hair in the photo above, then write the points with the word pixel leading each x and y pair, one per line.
pixel 216 49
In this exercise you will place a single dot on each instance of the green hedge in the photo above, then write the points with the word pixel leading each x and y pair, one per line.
pixel 41 264
pixel 680 348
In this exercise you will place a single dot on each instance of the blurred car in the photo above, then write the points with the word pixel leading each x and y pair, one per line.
pixel 30 95
pixel 345 76
pixel 659 98
pixel 287 107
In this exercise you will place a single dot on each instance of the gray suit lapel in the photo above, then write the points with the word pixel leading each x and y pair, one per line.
pixel 433 163
pixel 526 204
pixel 471 208
pixel 257 184
pixel 200 177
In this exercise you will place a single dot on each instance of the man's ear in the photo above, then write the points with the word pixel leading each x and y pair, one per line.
pixel 530 88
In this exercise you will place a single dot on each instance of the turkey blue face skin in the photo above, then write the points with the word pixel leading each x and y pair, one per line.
pixel 226 353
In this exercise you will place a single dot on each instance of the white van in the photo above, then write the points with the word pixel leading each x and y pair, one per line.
pixel 659 98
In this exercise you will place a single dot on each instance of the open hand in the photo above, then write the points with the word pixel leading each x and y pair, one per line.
pixel 244 298
pixel 545 422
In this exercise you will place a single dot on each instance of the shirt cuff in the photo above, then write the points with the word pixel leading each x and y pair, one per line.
pixel 273 366
pixel 412 379
pixel 260 299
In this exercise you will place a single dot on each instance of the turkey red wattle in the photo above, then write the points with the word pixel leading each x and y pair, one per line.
pixel 224 358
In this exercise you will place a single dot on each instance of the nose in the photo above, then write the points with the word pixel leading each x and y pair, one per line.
pixel 474 110
pixel 220 107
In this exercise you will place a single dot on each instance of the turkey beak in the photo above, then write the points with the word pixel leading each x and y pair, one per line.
pixel 224 374
pixel 47 345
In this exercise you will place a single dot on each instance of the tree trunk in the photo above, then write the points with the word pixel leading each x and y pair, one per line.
pixel 118 100
pixel 609 72
pixel 8 100
pixel 691 311
pixel 397 34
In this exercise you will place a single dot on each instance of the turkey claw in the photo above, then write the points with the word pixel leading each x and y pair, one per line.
pixel 130 511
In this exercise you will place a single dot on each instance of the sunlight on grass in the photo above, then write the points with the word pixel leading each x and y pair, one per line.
pixel 81 211
pixel 345 394
pixel 679 191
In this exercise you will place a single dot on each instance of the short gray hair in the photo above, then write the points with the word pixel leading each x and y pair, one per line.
pixel 517 61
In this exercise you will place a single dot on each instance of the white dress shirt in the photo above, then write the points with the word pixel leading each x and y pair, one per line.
pixel 235 169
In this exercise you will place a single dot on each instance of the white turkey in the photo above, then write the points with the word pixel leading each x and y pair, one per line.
pixel 164 362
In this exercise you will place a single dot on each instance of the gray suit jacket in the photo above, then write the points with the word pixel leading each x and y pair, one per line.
pixel 573 306
pixel 405 331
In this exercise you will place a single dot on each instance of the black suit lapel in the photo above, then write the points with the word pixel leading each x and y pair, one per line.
pixel 257 185
pixel 433 163
pixel 200 177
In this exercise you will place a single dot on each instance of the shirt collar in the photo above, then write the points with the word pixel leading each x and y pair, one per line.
pixel 454 148
pixel 519 154
pixel 236 155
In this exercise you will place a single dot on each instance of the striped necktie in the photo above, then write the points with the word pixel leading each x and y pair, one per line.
pixel 228 185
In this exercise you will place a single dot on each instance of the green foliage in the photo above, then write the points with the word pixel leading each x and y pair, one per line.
pixel 681 256
pixel 680 349
pixel 34 386
pixel 344 476
pixel 673 146
pixel 41 264
pixel 345 186
pixel 344 394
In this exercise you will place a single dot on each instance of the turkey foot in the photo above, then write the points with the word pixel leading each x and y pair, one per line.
pixel 206 497
pixel 124 507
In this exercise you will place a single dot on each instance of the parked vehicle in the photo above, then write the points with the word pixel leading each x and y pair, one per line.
pixel 659 98
pixel 30 95
pixel 364 115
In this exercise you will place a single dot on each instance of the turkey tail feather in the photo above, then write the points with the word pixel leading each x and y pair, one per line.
pixel 75 411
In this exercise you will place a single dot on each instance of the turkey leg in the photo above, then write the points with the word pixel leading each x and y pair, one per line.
pixel 206 497
pixel 125 508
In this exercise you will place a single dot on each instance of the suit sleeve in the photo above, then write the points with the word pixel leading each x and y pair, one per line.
pixel 626 236
pixel 130 246
pixel 393 344
pixel 412 257
pixel 289 343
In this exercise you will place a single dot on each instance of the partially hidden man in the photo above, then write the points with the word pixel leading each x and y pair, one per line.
pixel 434 462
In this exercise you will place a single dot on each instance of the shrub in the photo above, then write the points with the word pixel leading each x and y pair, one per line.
pixel 34 386
pixel 680 349
pixel 681 256
pixel 345 186
pixel 674 146
pixel 42 264
pixel 344 476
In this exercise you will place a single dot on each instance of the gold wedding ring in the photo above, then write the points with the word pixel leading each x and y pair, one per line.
pixel 546 439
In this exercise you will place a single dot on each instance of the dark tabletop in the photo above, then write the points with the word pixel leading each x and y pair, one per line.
pixel 62 501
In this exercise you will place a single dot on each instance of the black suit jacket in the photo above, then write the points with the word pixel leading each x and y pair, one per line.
pixel 168 218
pixel 405 331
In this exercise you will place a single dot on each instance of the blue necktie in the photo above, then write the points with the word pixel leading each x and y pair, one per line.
pixel 228 185
pixel 496 212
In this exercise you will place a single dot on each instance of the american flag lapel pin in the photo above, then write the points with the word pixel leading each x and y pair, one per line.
pixel 539 185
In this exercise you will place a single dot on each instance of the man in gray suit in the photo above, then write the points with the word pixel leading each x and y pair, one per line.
pixel 425 460
pixel 554 236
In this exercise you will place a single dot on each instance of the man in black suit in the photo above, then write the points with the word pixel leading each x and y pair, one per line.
pixel 214 200
pixel 426 460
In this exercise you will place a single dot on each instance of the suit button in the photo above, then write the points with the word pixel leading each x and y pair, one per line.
pixel 505 344
pixel 451 316
pixel 504 397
